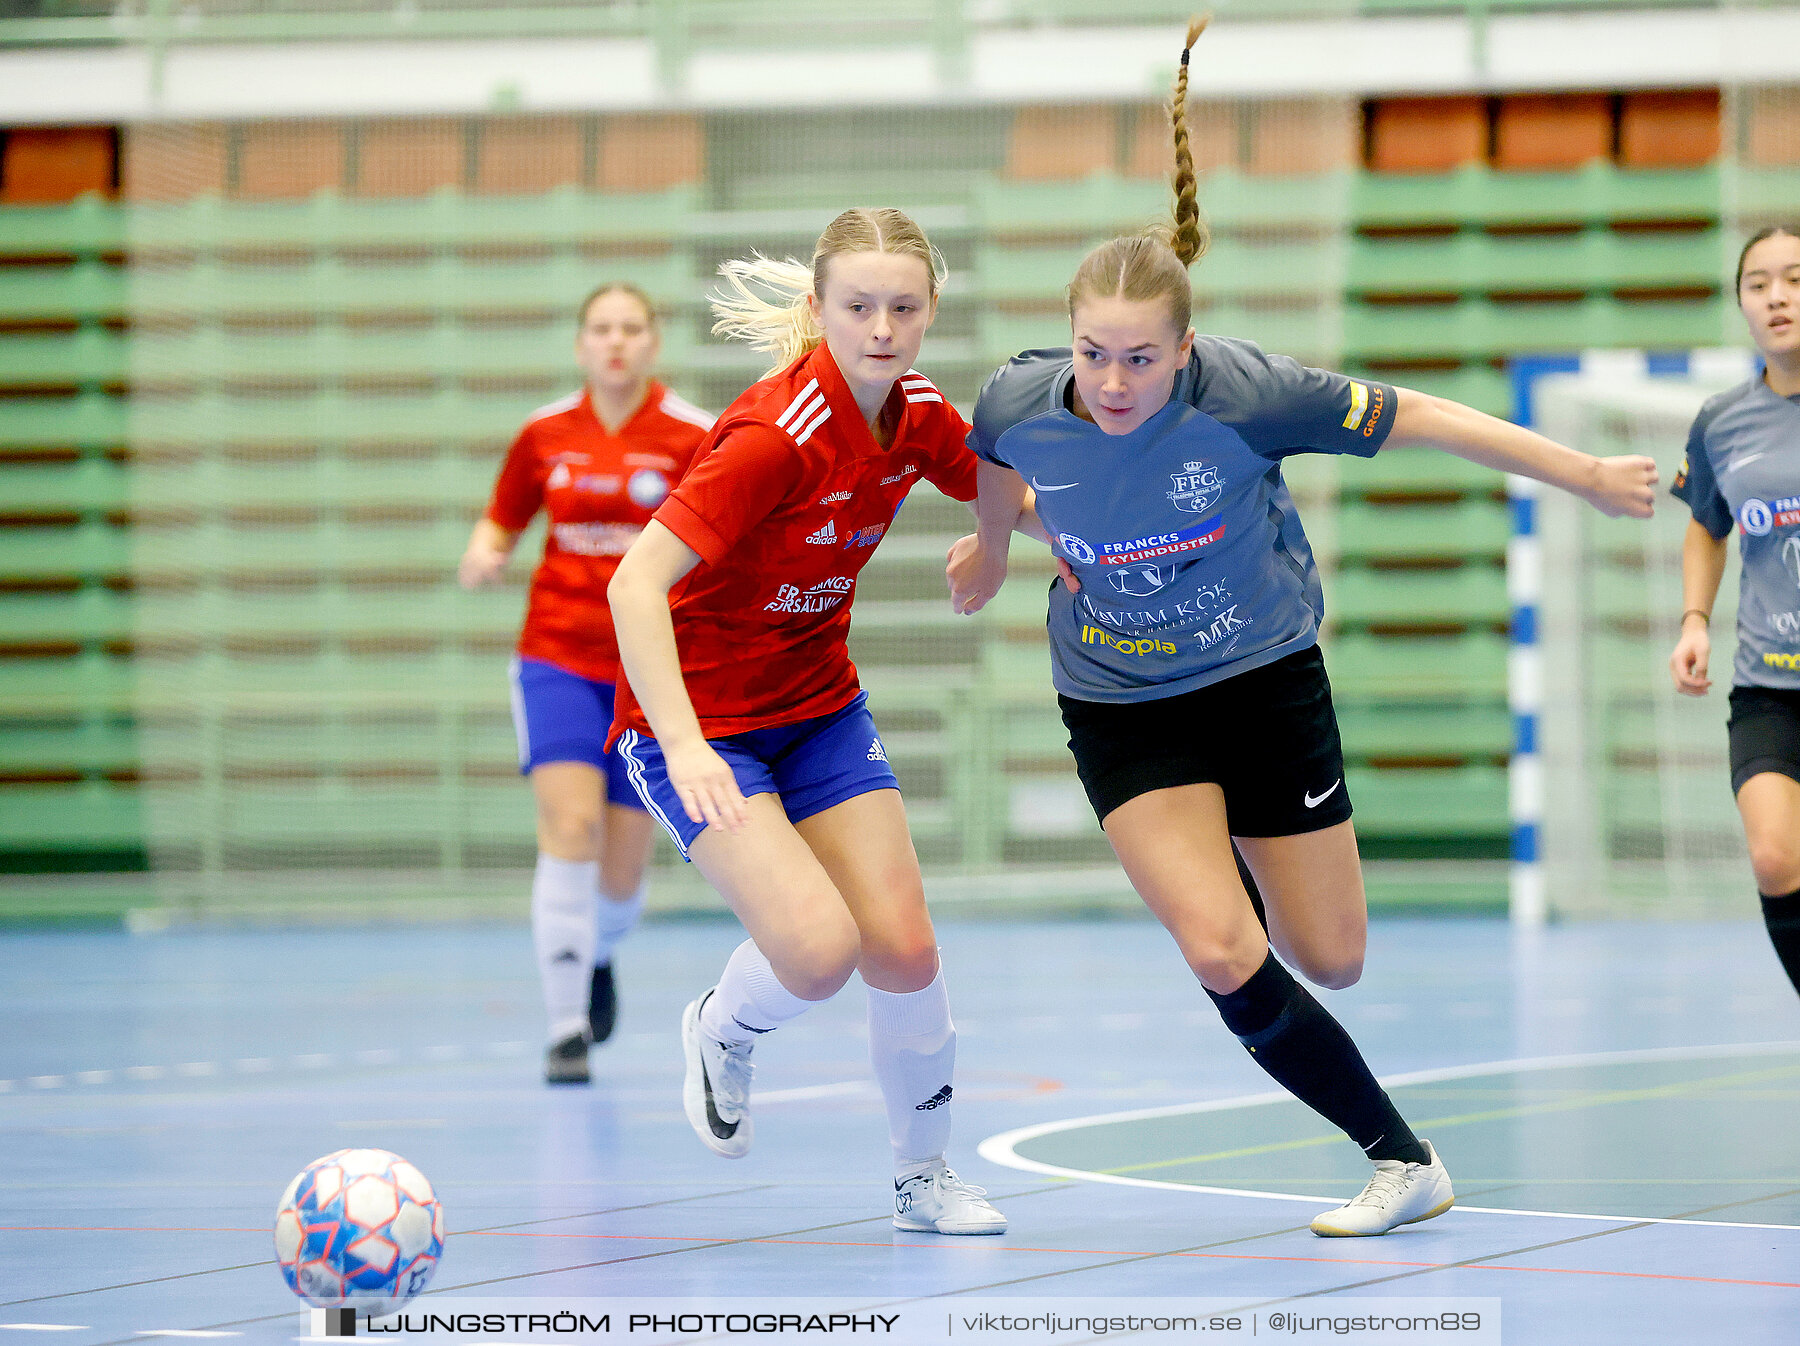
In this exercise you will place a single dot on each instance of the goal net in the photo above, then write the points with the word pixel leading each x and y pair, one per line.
pixel 1638 818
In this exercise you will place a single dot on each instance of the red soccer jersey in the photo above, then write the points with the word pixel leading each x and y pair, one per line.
pixel 785 503
pixel 599 490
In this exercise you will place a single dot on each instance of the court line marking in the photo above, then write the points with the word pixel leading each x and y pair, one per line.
pixel 1002 1148
pixel 257 1065
pixel 1590 1099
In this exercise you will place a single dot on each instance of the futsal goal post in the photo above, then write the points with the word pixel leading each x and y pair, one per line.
pixel 1621 799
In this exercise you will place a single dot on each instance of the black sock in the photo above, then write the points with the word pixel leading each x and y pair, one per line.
pixel 1309 1054
pixel 1256 902
pixel 1782 916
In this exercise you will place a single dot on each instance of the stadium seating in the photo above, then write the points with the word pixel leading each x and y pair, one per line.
pixel 237 474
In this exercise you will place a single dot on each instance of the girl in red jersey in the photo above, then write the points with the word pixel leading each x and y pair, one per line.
pixel 599 461
pixel 742 721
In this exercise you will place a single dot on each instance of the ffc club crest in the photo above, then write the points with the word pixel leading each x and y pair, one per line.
pixel 1075 549
pixel 1197 488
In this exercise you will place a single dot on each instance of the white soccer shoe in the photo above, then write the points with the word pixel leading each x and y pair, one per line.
pixel 933 1200
pixel 716 1091
pixel 1398 1194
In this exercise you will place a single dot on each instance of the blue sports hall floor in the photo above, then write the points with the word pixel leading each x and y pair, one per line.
pixel 1616 1104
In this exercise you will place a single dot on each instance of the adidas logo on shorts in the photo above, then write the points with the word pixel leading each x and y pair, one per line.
pixel 877 753
pixel 826 536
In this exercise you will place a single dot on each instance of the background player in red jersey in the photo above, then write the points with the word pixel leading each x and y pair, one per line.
pixel 746 730
pixel 599 461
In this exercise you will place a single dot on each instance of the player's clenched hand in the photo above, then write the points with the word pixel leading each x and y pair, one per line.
pixel 974 573
pixel 1067 572
pixel 1688 663
pixel 1625 485
pixel 480 565
pixel 705 786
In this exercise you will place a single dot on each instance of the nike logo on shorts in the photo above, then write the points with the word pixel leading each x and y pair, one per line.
pixel 1036 485
pixel 1313 802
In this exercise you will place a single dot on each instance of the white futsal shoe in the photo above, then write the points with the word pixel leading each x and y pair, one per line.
pixel 1399 1193
pixel 933 1200
pixel 716 1092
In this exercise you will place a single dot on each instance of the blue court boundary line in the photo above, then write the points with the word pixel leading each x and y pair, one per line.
pixel 1002 1148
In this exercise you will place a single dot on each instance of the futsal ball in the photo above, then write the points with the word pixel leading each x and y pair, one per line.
pixel 360 1229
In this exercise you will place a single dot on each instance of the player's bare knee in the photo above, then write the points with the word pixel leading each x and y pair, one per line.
pixel 571 833
pixel 1223 960
pixel 1333 973
pixel 1776 863
pixel 817 961
pixel 620 883
pixel 908 957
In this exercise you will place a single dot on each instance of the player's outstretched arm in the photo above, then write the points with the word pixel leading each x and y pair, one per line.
pixel 1625 485
pixel 1702 567
pixel 977 566
pixel 490 546
pixel 639 597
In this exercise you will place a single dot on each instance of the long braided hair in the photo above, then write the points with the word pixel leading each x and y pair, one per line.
pixel 1154 264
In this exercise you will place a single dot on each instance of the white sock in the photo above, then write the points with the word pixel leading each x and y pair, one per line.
pixel 562 929
pixel 749 1000
pixel 617 917
pixel 912 1044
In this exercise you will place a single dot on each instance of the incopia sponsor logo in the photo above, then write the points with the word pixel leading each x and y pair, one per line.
pixel 1094 635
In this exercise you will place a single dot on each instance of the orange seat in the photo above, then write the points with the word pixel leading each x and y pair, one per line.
pixel 650 153
pixel 1301 136
pixel 1426 135
pixel 516 155
pixel 1773 139
pixel 1669 129
pixel 171 161
pixel 1049 144
pixel 1552 130
pixel 47 164
pixel 1212 135
pixel 290 159
pixel 412 157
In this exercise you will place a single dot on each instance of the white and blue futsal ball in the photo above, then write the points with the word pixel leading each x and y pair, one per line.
pixel 360 1229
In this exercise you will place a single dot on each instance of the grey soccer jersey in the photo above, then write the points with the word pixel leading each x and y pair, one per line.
pixel 1192 561
pixel 1743 465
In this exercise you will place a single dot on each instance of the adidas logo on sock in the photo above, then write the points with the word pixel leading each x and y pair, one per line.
pixel 826 536
pixel 937 1100
pixel 567 956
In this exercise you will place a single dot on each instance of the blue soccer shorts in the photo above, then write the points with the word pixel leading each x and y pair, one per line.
pixel 812 765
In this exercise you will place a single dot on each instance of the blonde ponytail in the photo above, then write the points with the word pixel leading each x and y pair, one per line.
pixel 782 327
pixel 1154 265
pixel 765 302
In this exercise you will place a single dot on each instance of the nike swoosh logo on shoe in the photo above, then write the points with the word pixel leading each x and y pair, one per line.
pixel 1313 803
pixel 721 1128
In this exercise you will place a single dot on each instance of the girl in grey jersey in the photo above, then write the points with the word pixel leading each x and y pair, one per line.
pixel 1184 635
pixel 1743 466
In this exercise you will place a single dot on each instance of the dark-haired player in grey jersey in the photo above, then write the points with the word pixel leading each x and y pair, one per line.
pixel 1743 466
pixel 1183 641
